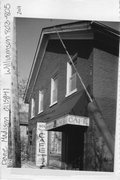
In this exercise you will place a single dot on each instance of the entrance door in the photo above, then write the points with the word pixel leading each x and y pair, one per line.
pixel 73 153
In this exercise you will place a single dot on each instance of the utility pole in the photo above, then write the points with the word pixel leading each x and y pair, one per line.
pixel 15 125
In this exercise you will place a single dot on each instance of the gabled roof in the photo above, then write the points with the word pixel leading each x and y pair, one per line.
pixel 65 31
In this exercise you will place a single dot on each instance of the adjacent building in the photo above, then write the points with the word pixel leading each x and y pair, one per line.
pixel 23 116
pixel 61 131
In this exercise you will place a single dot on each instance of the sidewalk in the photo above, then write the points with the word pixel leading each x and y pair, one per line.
pixel 29 164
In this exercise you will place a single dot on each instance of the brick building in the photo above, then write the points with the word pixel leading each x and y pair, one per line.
pixel 57 98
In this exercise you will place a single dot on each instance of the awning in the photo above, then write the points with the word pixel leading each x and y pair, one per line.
pixel 67 120
pixel 76 104
pixel 69 113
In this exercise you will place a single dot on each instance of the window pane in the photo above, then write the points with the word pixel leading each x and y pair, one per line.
pixel 32 108
pixel 54 89
pixel 55 142
pixel 71 75
pixel 54 95
pixel 41 97
pixel 72 82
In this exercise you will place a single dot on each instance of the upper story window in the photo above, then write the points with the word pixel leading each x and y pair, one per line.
pixel 71 77
pixel 32 107
pixel 54 89
pixel 41 99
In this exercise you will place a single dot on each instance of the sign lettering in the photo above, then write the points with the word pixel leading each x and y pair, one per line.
pixel 41 144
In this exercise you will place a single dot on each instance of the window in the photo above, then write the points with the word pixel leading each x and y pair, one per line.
pixel 55 142
pixel 41 97
pixel 32 108
pixel 54 89
pixel 71 77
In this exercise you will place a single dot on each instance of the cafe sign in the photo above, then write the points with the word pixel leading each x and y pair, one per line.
pixel 68 119
pixel 78 120
pixel 41 144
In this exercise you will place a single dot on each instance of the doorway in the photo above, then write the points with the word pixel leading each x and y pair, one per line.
pixel 73 147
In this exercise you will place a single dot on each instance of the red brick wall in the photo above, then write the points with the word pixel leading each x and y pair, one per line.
pixel 57 62
pixel 105 85
pixel 97 155
pixel 98 69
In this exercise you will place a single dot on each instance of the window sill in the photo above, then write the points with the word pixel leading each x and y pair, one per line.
pixel 70 93
pixel 40 112
pixel 52 104
pixel 32 117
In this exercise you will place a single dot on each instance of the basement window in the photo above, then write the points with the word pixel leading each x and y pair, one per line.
pixel 41 99
pixel 71 77
pixel 54 89
pixel 32 107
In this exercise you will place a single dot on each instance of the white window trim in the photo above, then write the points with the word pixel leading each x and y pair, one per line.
pixel 40 110
pixel 32 115
pixel 51 95
pixel 71 92
pixel 69 72
pixel 52 104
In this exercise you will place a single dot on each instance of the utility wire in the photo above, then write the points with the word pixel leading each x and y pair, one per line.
pixel 88 94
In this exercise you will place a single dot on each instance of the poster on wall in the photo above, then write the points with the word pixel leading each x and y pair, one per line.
pixel 41 145
pixel 55 142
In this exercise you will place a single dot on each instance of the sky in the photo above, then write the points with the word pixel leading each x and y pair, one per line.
pixel 27 35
